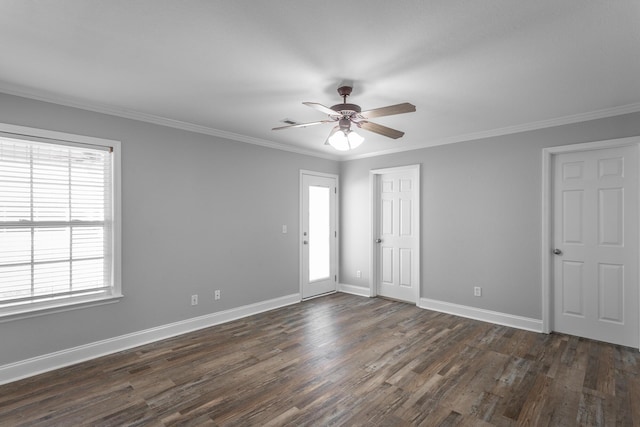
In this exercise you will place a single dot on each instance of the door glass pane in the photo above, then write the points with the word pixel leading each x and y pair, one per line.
pixel 319 233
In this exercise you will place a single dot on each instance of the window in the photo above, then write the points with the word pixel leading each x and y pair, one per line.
pixel 59 227
pixel 319 232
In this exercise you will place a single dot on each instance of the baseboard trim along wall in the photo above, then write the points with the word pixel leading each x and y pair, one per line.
pixel 519 322
pixel 353 290
pixel 48 362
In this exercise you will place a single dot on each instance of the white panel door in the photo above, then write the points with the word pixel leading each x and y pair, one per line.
pixel 595 233
pixel 397 235
pixel 318 235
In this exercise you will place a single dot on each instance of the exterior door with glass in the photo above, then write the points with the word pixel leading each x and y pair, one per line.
pixel 318 234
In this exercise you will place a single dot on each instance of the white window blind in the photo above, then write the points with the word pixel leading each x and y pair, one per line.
pixel 56 223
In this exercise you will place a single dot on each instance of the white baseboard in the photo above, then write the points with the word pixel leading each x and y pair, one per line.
pixel 48 362
pixel 519 322
pixel 354 290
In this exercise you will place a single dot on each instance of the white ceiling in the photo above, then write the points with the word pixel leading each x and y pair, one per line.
pixel 236 68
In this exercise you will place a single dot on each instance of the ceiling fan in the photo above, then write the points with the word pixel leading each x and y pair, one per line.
pixel 341 136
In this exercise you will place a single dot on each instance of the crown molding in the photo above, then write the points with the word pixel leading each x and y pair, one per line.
pixel 158 120
pixel 508 130
pixel 191 127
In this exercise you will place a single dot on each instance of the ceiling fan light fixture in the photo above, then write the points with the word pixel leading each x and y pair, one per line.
pixel 345 140
pixel 342 138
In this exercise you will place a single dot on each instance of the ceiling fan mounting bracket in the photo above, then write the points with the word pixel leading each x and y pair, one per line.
pixel 345 90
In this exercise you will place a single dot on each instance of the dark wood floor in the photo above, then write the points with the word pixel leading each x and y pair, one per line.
pixel 342 360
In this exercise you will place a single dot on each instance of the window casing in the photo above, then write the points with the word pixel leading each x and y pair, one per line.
pixel 59 221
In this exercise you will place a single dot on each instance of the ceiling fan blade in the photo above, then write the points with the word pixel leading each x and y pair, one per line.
pixel 303 125
pixel 322 108
pixel 389 111
pixel 382 130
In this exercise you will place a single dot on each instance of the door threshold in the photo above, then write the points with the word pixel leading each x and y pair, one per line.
pixel 395 299
pixel 318 296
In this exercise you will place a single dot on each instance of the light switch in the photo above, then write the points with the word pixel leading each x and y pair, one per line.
pixel 284 229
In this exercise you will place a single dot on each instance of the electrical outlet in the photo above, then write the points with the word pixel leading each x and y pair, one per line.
pixel 358 274
pixel 216 294
pixel 194 299
pixel 477 291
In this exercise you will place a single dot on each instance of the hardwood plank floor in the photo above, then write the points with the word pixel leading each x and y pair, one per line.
pixel 342 360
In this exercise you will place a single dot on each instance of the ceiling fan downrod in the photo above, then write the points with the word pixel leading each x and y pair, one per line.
pixel 344 91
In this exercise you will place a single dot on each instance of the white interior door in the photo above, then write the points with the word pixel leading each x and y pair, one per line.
pixel 318 234
pixel 397 236
pixel 595 238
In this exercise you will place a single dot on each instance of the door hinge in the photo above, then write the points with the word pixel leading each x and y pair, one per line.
pixel 335 278
pixel 335 190
pixel 335 234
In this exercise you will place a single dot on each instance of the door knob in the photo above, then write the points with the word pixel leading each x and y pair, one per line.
pixel 378 240
pixel 557 251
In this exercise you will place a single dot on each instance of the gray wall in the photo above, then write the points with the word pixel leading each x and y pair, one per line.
pixel 198 213
pixel 481 214
pixel 202 213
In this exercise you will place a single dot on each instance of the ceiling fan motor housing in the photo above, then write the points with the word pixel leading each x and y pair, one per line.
pixel 346 109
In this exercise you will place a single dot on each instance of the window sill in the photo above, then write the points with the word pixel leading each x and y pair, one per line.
pixel 8 314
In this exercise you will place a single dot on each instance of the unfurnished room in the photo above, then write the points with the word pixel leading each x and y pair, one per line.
pixel 335 213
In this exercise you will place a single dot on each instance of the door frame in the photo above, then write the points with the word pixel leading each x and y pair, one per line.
pixel 301 222
pixel 374 214
pixel 548 155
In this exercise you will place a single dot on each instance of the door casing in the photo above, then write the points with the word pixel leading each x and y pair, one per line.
pixel 373 197
pixel 547 215
pixel 301 231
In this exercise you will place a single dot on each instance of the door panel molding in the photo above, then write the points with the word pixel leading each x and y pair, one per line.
pixel 547 210
pixel 374 188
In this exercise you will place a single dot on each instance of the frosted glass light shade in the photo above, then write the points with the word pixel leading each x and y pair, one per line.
pixel 339 141
pixel 354 139
pixel 342 141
